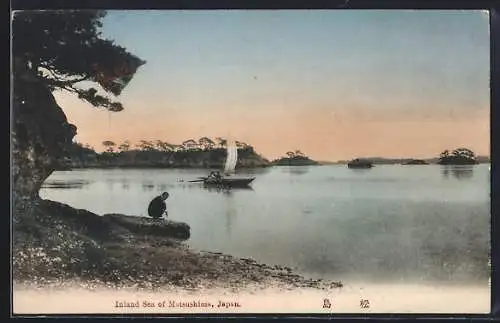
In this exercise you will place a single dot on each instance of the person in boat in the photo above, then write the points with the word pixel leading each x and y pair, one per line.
pixel 215 176
pixel 157 207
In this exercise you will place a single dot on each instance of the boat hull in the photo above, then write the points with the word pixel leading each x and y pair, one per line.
pixel 229 182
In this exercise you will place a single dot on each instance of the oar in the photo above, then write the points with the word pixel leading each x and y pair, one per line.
pixel 196 181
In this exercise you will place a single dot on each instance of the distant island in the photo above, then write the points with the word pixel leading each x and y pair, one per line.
pixel 204 153
pixel 211 153
pixel 360 163
pixel 459 156
pixel 294 158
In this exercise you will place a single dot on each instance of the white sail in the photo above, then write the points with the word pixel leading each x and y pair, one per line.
pixel 231 158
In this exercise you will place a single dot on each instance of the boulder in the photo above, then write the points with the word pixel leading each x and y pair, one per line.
pixel 150 226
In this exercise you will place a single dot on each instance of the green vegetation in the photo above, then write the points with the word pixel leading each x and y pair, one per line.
pixel 459 156
pixel 412 161
pixel 294 158
pixel 64 48
pixel 203 153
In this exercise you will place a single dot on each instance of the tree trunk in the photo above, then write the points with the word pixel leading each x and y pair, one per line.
pixel 40 135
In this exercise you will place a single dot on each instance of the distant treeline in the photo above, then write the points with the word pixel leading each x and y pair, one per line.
pixel 204 153
pixel 208 153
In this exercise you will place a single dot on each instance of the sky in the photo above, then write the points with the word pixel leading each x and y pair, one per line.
pixel 336 84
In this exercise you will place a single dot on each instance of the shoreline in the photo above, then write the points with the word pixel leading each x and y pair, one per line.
pixel 250 167
pixel 58 245
pixel 152 167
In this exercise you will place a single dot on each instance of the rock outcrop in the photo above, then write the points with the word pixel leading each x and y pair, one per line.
pixel 40 133
pixel 57 240
pixel 150 226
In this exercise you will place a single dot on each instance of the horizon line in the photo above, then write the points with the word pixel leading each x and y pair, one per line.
pixel 317 160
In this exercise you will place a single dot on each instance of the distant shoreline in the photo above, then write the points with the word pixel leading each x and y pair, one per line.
pixel 66 168
pixel 405 161
pixel 321 163
pixel 403 164
pixel 214 158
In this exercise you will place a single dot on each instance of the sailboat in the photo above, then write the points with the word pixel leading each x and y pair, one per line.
pixel 227 180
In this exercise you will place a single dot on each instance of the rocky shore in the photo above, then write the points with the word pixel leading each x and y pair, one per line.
pixel 56 245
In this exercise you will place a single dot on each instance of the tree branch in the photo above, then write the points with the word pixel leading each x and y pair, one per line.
pixel 58 81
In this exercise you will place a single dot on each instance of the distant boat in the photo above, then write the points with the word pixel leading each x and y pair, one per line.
pixel 360 163
pixel 227 180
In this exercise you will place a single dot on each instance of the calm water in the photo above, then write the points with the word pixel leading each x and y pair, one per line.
pixel 405 224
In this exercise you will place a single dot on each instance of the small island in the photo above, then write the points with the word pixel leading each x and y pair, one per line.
pixel 360 163
pixel 294 158
pixel 459 156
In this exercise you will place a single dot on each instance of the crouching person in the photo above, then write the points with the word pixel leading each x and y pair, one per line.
pixel 157 207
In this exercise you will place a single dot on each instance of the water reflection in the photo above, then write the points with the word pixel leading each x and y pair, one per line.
pixel 254 171
pixel 230 213
pixel 297 170
pixel 109 183
pixel 360 170
pixel 125 184
pixel 225 190
pixel 150 186
pixel 147 186
pixel 69 184
pixel 458 172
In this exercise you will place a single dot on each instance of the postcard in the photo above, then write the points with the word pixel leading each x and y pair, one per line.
pixel 250 161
